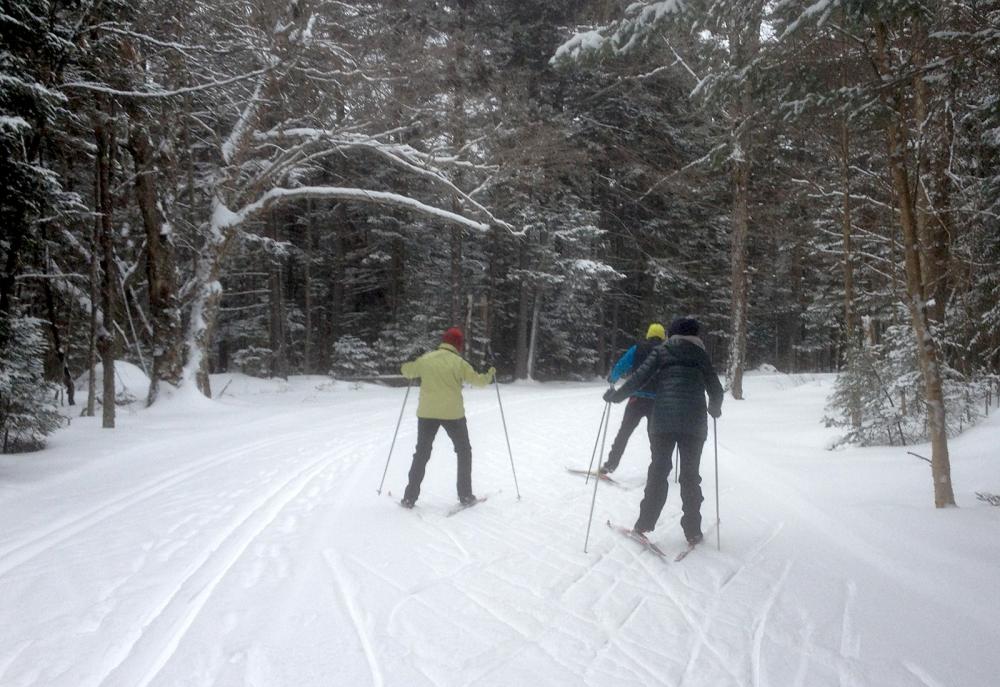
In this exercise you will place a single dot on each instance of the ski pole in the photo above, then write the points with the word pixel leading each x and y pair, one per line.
pixel 409 383
pixel 593 499
pixel 503 419
pixel 590 466
pixel 715 436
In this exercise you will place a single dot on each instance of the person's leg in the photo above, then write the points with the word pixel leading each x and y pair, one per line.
pixel 657 482
pixel 690 479
pixel 634 412
pixel 426 429
pixel 458 432
pixel 648 404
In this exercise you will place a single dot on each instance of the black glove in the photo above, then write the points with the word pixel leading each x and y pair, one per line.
pixel 609 396
pixel 715 411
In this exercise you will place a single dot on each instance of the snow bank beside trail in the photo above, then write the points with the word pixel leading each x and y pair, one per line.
pixel 235 388
pixel 238 385
pixel 131 383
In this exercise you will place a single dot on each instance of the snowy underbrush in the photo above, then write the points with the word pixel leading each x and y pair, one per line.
pixel 878 399
pixel 131 384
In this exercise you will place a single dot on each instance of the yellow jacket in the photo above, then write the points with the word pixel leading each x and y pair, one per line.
pixel 441 374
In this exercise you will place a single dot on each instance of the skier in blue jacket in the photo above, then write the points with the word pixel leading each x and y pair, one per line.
pixel 640 402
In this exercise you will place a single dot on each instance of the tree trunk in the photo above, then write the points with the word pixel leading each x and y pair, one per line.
pixel 457 125
pixel 616 312
pixel 521 352
pixel 161 263
pixel 489 301
pixel 932 229
pixel 307 367
pixel 189 148
pixel 456 276
pixel 738 271
pixel 50 304
pixel 337 306
pixel 397 277
pixel 92 337
pixel 106 334
pixel 533 346
pixel 205 308
pixel 927 352
pixel 744 45
pixel 484 317
pixel 602 336
pixel 850 318
pixel 468 323
pixel 279 357
pixel 524 301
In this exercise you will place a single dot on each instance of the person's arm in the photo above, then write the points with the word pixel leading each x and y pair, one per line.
pixel 470 375
pixel 411 370
pixel 714 388
pixel 641 376
pixel 623 365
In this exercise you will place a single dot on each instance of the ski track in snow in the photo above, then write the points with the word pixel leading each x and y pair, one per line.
pixel 760 625
pixel 347 598
pixel 38 542
pixel 264 557
pixel 177 612
pixel 925 679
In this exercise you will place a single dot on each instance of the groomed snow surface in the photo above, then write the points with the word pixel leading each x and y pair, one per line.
pixel 241 542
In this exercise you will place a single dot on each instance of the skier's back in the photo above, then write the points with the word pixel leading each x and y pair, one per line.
pixel 442 372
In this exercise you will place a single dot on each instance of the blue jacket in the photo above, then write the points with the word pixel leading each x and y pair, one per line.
pixel 624 367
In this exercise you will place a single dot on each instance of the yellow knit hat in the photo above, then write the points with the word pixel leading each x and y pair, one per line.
pixel 655 331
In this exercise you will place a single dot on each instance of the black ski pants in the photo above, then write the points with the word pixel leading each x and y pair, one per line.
pixel 458 432
pixel 657 482
pixel 636 409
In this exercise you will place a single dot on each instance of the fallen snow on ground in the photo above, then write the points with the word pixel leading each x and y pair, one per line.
pixel 241 542
pixel 131 383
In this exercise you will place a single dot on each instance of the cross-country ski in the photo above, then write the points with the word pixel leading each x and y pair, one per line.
pixel 603 477
pixel 465 506
pixel 683 554
pixel 637 537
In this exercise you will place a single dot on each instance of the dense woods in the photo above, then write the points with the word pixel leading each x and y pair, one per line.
pixel 298 187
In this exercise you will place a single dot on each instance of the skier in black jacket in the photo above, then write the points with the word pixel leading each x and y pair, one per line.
pixel 682 374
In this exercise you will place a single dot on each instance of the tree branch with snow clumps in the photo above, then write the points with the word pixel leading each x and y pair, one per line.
pixel 620 36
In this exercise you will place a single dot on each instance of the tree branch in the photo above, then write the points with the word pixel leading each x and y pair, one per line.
pixel 278 195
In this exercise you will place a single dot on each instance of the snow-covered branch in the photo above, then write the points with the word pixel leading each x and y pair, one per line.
pixel 108 90
pixel 226 220
pixel 403 156
pixel 621 36
pixel 239 130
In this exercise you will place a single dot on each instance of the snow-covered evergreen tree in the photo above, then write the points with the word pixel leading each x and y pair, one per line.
pixel 28 410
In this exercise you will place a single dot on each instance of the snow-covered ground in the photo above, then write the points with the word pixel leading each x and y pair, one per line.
pixel 241 542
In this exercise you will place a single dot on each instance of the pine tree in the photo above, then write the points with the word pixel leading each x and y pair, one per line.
pixel 27 401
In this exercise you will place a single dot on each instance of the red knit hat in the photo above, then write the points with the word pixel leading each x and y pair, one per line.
pixel 454 337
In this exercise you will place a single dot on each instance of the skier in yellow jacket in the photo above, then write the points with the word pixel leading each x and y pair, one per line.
pixel 441 374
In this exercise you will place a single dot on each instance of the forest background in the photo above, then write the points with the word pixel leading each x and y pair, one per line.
pixel 315 187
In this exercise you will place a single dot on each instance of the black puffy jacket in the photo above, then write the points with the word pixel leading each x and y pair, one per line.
pixel 681 373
